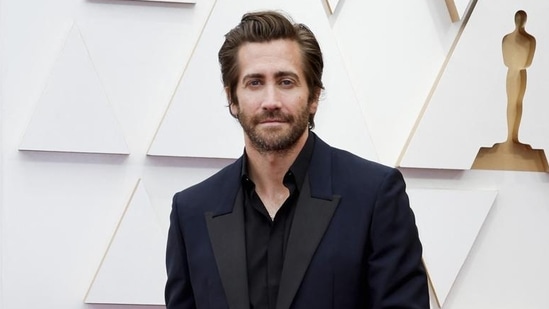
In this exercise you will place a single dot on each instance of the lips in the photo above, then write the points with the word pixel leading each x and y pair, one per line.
pixel 272 120
pixel 272 117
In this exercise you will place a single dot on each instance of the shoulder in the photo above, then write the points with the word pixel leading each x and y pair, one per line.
pixel 347 163
pixel 337 171
pixel 344 171
pixel 343 157
pixel 361 169
pixel 213 189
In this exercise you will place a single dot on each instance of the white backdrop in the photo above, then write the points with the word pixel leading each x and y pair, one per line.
pixel 68 212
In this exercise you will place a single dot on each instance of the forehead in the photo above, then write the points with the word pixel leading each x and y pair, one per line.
pixel 271 56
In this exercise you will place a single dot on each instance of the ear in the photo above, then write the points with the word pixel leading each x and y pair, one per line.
pixel 228 94
pixel 233 107
pixel 313 106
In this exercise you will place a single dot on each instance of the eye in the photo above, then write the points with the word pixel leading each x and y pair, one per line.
pixel 287 82
pixel 254 82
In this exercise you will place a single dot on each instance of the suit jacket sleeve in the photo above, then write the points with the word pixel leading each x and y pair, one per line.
pixel 178 291
pixel 396 276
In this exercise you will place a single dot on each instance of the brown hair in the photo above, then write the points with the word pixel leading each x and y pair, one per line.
pixel 266 26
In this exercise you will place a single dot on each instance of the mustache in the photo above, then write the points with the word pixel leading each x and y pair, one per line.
pixel 271 115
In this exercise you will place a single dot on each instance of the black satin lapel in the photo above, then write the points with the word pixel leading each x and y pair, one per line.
pixel 229 247
pixel 311 219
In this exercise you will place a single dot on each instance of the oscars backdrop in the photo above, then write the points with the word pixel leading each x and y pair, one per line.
pixel 109 107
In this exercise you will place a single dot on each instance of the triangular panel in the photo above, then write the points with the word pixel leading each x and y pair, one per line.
pixel 132 270
pixel 332 5
pixel 74 114
pixel 448 222
pixel 468 109
pixel 141 61
pixel 197 123
pixel 457 8
pixel 393 53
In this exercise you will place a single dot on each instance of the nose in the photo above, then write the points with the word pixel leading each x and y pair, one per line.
pixel 271 99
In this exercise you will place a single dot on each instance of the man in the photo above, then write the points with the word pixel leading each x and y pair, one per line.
pixel 293 223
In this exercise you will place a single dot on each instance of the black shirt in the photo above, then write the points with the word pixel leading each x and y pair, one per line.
pixel 266 239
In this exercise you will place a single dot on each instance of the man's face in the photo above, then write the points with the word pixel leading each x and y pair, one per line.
pixel 272 95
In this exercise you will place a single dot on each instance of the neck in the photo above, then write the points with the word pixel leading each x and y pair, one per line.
pixel 267 169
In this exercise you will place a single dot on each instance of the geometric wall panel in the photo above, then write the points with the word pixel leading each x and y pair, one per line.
pixel 140 62
pixel 132 270
pixel 448 223
pixel 393 58
pixel 199 103
pixel 457 8
pixel 468 109
pixel 332 5
pixel 74 114
pixel 197 123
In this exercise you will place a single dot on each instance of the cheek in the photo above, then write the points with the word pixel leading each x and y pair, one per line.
pixel 250 101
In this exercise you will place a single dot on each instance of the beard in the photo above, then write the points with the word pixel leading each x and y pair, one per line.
pixel 274 139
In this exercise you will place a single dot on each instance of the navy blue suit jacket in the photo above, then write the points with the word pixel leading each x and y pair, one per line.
pixel 353 241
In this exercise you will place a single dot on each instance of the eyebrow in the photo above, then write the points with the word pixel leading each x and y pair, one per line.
pixel 286 73
pixel 277 75
pixel 251 76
